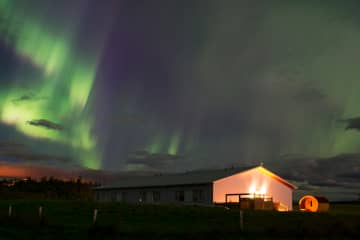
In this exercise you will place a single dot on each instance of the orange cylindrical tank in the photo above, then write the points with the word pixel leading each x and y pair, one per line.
pixel 313 204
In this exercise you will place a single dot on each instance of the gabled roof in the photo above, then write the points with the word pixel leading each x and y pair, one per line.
pixel 276 177
pixel 187 178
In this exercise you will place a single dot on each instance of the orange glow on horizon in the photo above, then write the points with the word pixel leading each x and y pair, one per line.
pixel 12 171
pixel 20 171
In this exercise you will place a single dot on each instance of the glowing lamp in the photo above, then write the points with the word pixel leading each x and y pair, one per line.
pixel 252 189
pixel 263 190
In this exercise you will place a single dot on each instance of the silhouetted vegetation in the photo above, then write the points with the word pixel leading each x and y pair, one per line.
pixel 46 188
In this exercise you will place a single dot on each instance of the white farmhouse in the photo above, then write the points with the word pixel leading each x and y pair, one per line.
pixel 251 187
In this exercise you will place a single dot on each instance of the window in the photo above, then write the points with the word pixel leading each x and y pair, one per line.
pixel 98 196
pixel 124 196
pixel 156 196
pixel 113 196
pixel 142 197
pixel 118 196
pixel 197 195
pixel 179 196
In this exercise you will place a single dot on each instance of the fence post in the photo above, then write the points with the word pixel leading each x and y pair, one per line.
pixel 40 211
pixel 241 220
pixel 95 215
pixel 10 211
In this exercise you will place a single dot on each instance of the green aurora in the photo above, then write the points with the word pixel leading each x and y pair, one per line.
pixel 60 94
pixel 328 66
pixel 250 87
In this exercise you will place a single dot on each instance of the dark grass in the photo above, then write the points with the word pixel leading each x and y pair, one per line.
pixel 73 220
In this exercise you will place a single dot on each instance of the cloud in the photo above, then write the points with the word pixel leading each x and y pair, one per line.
pixel 309 94
pixel 130 119
pixel 353 124
pixel 306 187
pixel 46 124
pixel 158 161
pixel 21 152
pixel 302 167
pixel 11 146
pixel 351 176
pixel 26 98
pixel 328 183
pixel 321 176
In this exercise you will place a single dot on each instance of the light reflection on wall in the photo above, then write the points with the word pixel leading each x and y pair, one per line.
pixel 258 188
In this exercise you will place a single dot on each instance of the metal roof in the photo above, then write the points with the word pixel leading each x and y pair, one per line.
pixel 187 178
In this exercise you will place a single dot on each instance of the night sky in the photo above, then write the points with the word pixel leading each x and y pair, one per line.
pixel 181 85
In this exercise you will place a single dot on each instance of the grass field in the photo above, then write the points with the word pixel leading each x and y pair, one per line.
pixel 73 220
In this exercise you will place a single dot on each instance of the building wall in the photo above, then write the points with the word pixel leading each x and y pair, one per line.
pixel 252 181
pixel 201 194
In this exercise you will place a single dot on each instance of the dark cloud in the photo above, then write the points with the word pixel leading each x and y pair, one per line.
pixel 302 167
pixel 321 176
pixel 310 168
pixel 23 98
pixel 159 161
pixel 11 145
pixel 27 97
pixel 351 176
pixel 327 183
pixel 309 94
pixel 306 187
pixel 46 124
pixel 353 124
pixel 19 151
pixel 129 120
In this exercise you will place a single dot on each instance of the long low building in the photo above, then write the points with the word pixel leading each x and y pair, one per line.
pixel 251 187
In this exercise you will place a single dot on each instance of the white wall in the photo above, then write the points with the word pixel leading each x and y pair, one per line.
pixel 167 194
pixel 249 181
